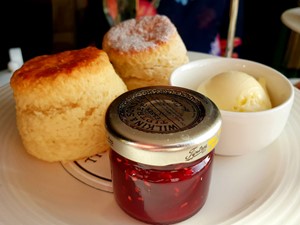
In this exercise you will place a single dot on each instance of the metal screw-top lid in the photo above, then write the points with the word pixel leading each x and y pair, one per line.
pixel 163 125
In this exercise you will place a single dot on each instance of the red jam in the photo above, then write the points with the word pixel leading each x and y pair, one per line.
pixel 161 194
pixel 162 143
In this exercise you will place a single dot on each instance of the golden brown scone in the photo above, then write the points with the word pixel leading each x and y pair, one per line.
pixel 61 100
pixel 145 51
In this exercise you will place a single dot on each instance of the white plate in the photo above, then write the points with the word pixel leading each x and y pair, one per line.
pixel 294 80
pixel 261 188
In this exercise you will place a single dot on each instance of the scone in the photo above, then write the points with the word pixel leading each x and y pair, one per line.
pixel 145 51
pixel 61 100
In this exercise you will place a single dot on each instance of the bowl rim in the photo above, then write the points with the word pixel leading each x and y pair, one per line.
pixel 289 100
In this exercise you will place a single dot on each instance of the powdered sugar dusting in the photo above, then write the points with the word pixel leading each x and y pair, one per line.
pixel 139 34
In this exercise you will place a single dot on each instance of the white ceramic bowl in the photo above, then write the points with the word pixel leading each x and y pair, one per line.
pixel 243 132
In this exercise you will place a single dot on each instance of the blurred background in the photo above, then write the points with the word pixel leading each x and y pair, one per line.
pixel 47 26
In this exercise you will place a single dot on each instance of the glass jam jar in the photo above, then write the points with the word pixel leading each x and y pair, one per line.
pixel 162 142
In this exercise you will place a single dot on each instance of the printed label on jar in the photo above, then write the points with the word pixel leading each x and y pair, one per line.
pixel 198 151
pixel 164 111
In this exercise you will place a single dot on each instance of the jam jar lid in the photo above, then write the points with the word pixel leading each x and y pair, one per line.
pixel 163 125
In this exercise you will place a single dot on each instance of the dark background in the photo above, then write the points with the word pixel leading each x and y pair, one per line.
pixel 29 24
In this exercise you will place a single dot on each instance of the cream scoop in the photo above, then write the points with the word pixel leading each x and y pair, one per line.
pixel 236 91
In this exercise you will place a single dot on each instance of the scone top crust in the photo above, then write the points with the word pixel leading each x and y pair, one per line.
pixel 136 35
pixel 47 68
